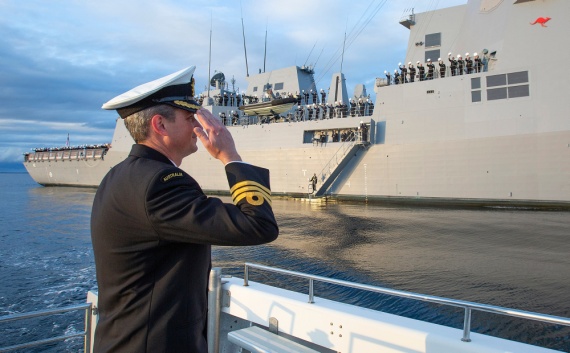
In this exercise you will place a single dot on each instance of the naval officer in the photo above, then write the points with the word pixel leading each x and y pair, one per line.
pixel 152 227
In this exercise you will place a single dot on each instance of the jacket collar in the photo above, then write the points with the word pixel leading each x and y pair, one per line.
pixel 143 151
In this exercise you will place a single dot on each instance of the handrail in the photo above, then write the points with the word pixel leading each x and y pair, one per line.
pixel 468 306
pixel 342 151
pixel 74 154
pixel 22 316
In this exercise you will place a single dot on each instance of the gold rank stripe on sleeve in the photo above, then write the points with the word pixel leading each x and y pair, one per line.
pixel 253 192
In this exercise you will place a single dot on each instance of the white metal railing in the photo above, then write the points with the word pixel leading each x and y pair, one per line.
pixel 466 305
pixel 66 155
pixel 86 334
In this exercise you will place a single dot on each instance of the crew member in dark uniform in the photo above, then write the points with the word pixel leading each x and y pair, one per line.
pixel 397 79
pixel 152 227
pixel 363 132
pixel 468 63
pixel 431 69
pixel 313 181
pixel 477 63
pixel 323 96
pixel 225 99
pixel 306 97
pixel 223 118
pixel 421 71
pixel 344 109
pixel 452 64
pixel 352 107
pixel 235 117
pixel 442 68
pixel 460 64
pixel 388 77
pixel 299 113
pixel 412 71
pixel 404 73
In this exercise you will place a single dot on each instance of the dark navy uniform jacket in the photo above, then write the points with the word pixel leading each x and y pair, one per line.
pixel 152 228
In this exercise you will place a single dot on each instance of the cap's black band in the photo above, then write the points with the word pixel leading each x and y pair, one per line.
pixel 166 95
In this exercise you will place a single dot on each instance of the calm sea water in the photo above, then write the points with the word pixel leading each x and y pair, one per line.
pixel 508 257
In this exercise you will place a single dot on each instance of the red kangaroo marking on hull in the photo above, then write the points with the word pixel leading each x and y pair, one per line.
pixel 541 20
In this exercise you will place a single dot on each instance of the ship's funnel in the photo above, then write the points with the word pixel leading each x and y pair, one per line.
pixel 337 90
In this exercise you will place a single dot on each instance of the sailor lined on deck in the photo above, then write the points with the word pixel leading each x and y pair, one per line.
pixel 421 70
pixel 431 69
pixel 442 68
pixel 468 63
pixel 412 71
pixel 152 227
pixel 404 73
pixel 478 63
pixel 460 64
pixel 457 66
pixel 452 64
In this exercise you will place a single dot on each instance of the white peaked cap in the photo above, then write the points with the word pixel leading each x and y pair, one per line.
pixel 176 89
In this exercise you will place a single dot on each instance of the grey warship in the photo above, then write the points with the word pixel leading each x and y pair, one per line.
pixel 491 134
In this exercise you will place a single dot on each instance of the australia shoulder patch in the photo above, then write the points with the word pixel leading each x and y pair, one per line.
pixel 168 177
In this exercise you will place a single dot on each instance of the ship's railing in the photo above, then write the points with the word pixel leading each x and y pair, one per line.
pixel 66 155
pixel 86 334
pixel 383 82
pixel 468 307
pixel 338 156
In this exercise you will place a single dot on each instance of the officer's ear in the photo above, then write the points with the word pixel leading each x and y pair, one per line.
pixel 157 124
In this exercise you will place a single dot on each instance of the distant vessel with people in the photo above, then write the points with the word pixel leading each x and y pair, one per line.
pixel 477 116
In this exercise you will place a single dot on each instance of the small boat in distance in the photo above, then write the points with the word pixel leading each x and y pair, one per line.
pixel 269 106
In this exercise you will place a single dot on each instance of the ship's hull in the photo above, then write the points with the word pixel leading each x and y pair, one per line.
pixel 81 172
pixel 518 169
